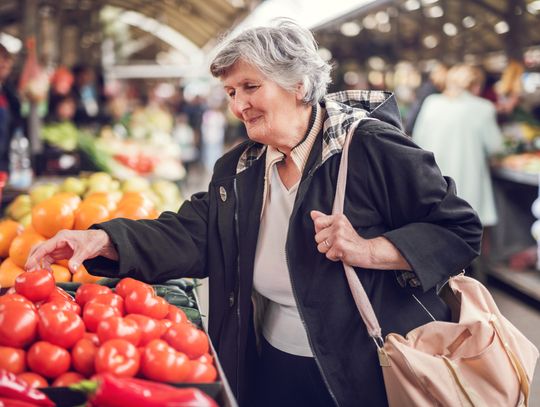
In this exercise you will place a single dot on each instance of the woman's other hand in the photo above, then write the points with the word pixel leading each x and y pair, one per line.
pixel 75 245
pixel 337 239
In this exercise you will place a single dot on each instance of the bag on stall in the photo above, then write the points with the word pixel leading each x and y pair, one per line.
pixel 478 359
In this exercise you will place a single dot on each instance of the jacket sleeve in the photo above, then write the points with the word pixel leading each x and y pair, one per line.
pixel 172 246
pixel 437 232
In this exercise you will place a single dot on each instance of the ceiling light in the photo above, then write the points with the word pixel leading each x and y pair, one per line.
pixel 533 7
pixel 502 27
pixel 351 78
pixel 382 17
pixel 12 44
pixel 450 29
pixel 469 22
pixel 435 12
pixel 428 2
pixel 350 29
pixel 384 28
pixel 325 54
pixel 430 41
pixel 369 22
pixel 412 5
pixel 376 63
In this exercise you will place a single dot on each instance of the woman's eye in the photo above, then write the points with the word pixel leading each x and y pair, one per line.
pixel 230 94
pixel 252 87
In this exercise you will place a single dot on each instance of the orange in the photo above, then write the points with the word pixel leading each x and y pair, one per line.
pixel 61 274
pixel 105 198
pixel 70 197
pixel 133 211
pixel 21 246
pixel 89 213
pixel 8 230
pixel 51 216
pixel 9 272
pixel 63 262
pixel 84 277
pixel 132 198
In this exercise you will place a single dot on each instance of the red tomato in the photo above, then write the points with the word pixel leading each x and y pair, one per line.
pixel 18 324
pixel 188 339
pixel 33 380
pixel 88 291
pixel 60 293
pixel 119 328
pixel 176 315
pixel 127 285
pixel 143 302
pixel 112 299
pixel 94 313
pixel 35 285
pixel 165 325
pixel 61 304
pixel 206 358
pixel 18 298
pixel 59 327
pixel 162 363
pixel 119 357
pixel 67 379
pixel 92 336
pixel 83 355
pixel 47 359
pixel 201 372
pixel 149 327
pixel 12 359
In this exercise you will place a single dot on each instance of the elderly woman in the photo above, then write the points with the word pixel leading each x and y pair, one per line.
pixel 281 315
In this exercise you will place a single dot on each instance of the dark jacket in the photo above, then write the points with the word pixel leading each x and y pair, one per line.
pixel 10 120
pixel 394 189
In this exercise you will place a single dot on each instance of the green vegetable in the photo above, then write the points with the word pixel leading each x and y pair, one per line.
pixel 193 315
pixel 177 299
pixel 108 282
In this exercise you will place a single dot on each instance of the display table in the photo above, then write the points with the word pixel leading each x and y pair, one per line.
pixel 514 192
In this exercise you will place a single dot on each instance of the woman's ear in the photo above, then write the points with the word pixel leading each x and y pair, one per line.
pixel 300 92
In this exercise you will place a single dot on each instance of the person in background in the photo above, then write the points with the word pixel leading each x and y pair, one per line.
pixel 184 136
pixel 213 134
pixel 282 316
pixel 10 117
pixel 434 84
pixel 461 129
pixel 89 96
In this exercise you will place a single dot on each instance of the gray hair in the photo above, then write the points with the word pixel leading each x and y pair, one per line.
pixel 285 53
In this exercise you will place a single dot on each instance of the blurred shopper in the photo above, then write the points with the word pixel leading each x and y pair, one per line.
pixel 10 117
pixel 184 136
pixel 89 96
pixel 263 232
pixel 461 130
pixel 213 134
pixel 434 84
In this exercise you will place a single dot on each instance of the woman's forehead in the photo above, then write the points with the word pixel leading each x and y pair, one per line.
pixel 239 72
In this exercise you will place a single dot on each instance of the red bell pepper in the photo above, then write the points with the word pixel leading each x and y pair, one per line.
pixel 112 391
pixel 13 388
pixel 5 402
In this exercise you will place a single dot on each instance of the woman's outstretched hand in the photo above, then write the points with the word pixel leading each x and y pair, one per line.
pixel 75 245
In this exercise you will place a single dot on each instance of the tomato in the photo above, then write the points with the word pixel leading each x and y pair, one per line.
pixel 94 313
pixel 165 325
pixel 149 327
pixel 140 301
pixel 188 339
pixel 114 300
pixel 176 315
pixel 33 380
pixel 88 291
pixel 67 379
pixel 12 359
pixel 128 284
pixel 200 372
pixel 162 363
pixel 60 293
pixel 83 355
pixel 121 328
pixel 18 324
pixel 18 298
pixel 92 336
pixel 35 285
pixel 59 327
pixel 119 357
pixel 48 360
pixel 206 358
pixel 61 304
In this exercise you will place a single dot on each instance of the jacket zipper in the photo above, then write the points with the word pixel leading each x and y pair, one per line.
pixel 302 317
pixel 237 229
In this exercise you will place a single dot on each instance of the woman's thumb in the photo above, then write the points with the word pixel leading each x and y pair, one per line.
pixel 316 214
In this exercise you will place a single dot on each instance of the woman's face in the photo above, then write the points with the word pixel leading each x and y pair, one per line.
pixel 269 112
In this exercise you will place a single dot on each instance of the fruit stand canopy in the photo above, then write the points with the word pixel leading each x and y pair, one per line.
pixel 198 21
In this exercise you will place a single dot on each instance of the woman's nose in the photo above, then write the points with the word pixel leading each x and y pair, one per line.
pixel 241 103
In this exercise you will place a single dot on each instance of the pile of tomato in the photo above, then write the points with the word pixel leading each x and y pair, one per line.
pixel 48 337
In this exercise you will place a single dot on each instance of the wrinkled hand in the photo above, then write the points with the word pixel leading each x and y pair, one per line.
pixel 76 245
pixel 337 239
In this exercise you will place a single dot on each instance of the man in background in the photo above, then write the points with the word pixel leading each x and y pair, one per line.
pixel 10 117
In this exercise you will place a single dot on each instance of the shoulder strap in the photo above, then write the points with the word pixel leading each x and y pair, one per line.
pixel 359 294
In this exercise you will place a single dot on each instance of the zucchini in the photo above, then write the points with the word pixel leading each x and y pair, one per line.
pixel 69 286
pixel 177 299
pixel 193 315
pixel 108 282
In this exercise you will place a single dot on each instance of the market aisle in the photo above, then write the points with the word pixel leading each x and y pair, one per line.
pixel 525 317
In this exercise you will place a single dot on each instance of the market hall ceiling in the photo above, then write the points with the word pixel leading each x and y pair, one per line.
pixel 198 20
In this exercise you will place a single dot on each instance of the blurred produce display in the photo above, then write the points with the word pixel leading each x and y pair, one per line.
pixel 76 203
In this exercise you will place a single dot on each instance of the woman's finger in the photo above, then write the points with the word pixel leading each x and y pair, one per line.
pixel 320 220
